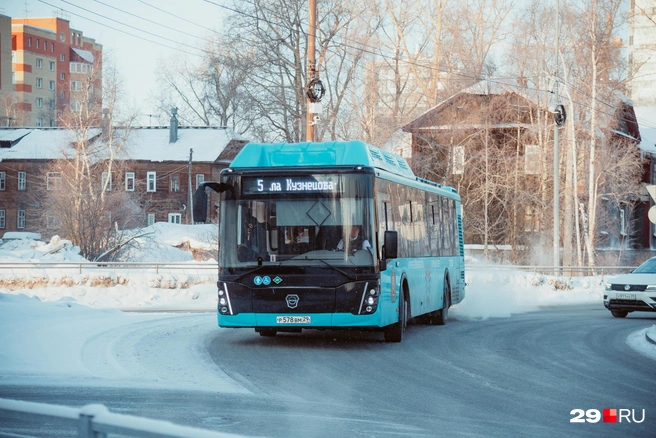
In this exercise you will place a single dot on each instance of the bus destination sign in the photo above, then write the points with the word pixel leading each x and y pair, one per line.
pixel 290 184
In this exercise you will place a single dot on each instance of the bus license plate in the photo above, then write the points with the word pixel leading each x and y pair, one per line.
pixel 626 296
pixel 292 320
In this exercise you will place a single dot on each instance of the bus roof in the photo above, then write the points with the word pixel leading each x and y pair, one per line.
pixel 335 153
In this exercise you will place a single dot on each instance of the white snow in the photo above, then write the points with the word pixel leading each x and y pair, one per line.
pixel 73 333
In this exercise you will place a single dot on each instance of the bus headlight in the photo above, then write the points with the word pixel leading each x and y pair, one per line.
pixel 224 310
pixel 371 301
pixel 222 301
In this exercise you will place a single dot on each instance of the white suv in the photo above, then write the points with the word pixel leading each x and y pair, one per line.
pixel 632 292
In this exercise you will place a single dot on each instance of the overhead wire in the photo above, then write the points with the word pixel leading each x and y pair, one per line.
pixel 363 46
pixel 120 30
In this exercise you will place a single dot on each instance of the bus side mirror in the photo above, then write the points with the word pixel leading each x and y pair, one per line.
pixel 391 243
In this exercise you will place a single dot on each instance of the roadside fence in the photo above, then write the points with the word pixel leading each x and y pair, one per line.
pixel 95 421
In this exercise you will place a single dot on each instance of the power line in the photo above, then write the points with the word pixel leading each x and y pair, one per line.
pixel 153 22
pixel 119 30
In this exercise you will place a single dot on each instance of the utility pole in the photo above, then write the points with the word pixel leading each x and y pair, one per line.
pixel 311 63
pixel 190 210
pixel 559 120
pixel 315 89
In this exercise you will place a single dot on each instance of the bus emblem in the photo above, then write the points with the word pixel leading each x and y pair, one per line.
pixel 292 301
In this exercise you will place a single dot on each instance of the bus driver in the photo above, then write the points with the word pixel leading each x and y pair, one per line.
pixel 356 241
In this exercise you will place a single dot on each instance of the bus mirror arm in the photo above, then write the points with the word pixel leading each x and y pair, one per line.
pixel 200 198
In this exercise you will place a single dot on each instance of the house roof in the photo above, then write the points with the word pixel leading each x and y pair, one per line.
pixel 36 144
pixel 143 144
pixel 488 87
pixel 208 143
pixel 646 116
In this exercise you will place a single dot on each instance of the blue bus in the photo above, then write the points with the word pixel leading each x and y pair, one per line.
pixel 333 235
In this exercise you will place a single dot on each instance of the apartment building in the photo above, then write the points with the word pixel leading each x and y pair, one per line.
pixel 52 65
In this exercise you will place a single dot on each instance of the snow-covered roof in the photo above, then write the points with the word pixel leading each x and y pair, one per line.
pixel 144 144
pixel 152 144
pixel 84 54
pixel 37 144
pixel 646 116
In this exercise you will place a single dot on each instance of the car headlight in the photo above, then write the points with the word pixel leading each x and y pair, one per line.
pixel 651 287
pixel 609 286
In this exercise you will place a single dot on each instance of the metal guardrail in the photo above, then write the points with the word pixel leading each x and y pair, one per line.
pixel 95 421
pixel 95 266
pixel 557 271
pixel 213 267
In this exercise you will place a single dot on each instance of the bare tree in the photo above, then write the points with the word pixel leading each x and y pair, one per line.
pixel 80 199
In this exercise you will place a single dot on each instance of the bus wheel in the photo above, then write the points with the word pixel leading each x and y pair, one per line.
pixel 395 332
pixel 266 332
pixel 442 314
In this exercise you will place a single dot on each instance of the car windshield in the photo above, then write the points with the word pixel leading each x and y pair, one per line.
pixel 648 267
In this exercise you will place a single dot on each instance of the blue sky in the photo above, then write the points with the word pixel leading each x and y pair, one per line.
pixel 136 44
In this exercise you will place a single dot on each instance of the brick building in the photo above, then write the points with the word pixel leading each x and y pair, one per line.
pixel 156 163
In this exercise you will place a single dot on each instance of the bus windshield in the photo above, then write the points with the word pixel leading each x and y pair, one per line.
pixel 311 220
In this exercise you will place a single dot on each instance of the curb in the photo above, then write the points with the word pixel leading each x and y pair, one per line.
pixel 650 334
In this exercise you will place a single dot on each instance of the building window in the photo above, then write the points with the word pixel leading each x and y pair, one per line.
pixel 62 57
pixel 76 85
pixel 62 76
pixel 53 180
pixel 129 181
pixel 3 220
pixel 51 85
pixel 20 222
pixel 151 219
pixel 175 218
pixel 39 102
pixel 51 65
pixel 39 83
pixel 39 121
pixel 22 180
pixel 3 180
pixel 37 43
pixel 532 159
pixel 200 179
pixel 151 181
pixel 62 95
pixel 459 160
pixel 623 222
pixel 52 104
pixel 175 183
pixel 52 47
pixel 29 41
pixel 106 183
pixel 39 62
pixel 52 221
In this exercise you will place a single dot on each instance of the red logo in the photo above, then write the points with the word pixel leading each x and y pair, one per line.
pixel 610 415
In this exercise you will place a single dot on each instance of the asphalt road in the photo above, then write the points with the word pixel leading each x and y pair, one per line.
pixel 502 377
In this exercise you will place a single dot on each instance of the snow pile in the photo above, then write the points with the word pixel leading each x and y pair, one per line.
pixel 163 241
pixel 24 247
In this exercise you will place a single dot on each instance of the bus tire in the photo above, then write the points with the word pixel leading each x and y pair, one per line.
pixel 394 333
pixel 268 332
pixel 443 314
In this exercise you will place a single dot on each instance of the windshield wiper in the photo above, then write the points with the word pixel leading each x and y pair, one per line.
pixel 336 269
pixel 250 272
